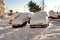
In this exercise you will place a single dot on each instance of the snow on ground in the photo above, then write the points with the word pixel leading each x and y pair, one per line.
pixel 52 32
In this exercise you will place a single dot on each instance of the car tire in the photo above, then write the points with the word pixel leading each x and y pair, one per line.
pixel 15 26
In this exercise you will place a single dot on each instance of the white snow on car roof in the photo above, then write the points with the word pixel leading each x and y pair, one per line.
pixel 39 15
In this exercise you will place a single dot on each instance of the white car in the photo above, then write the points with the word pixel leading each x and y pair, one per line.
pixel 39 19
pixel 20 20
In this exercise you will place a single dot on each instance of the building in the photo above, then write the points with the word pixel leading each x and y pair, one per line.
pixel 1 8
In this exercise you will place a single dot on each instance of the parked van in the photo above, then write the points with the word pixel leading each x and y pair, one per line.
pixel 39 20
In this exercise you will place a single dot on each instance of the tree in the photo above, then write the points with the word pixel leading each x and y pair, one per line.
pixel 33 7
pixel 11 12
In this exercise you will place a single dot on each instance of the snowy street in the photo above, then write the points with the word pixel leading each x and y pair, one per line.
pixel 52 32
pixel 29 19
pixel 19 33
pixel 9 33
pixel 26 33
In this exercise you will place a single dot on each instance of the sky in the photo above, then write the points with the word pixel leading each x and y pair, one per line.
pixel 21 5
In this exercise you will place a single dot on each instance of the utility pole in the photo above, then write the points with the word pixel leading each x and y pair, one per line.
pixel 42 5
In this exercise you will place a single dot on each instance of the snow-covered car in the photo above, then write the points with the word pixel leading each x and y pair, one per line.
pixel 53 15
pixel 21 20
pixel 39 20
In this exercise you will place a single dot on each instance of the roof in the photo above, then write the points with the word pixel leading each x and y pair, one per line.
pixel 39 15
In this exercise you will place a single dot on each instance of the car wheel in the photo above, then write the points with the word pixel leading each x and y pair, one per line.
pixel 44 26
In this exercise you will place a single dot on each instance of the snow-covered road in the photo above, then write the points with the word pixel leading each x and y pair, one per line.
pixel 52 32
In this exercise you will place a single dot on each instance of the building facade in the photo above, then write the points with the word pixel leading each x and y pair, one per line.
pixel 1 8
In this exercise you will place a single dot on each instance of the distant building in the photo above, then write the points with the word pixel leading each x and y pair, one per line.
pixel 1 8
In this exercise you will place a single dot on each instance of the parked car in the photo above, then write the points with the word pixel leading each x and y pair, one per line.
pixel 38 20
pixel 20 21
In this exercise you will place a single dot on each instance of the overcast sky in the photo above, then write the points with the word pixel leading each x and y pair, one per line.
pixel 21 5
